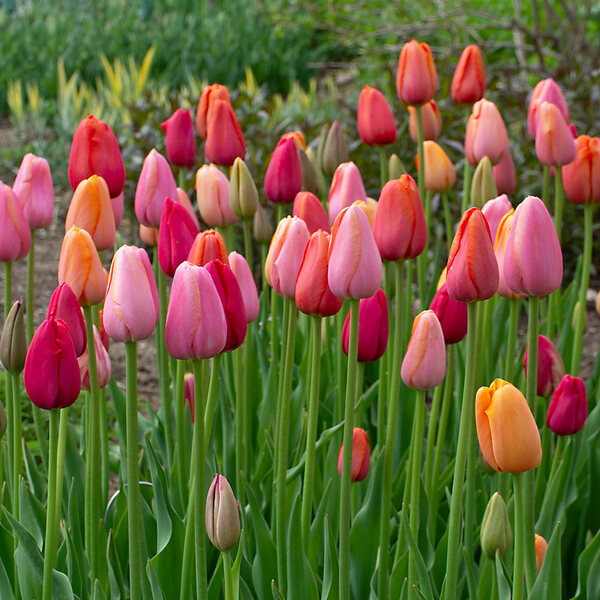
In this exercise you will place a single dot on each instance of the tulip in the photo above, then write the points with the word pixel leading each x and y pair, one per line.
pixel 546 90
pixel 541 545
pixel 483 185
pixel 103 335
pixel 361 455
pixel 554 143
pixel 91 210
pixel 65 306
pixel 533 258
pixel 262 228
pixel 440 174
pixel 243 195
pixel 283 179
pixel 550 368
pixel 373 328
pixel 181 144
pixel 13 341
pixel 103 366
pixel 176 236
pixel 188 393
pixel 212 192
pixel 335 150
pixel 376 125
pixel 196 326
pixel 131 285
pixel 80 267
pixel 432 121
pixel 33 187
pixel 309 208
pixel 117 208
pixel 452 315
pixel 233 304
pixel 224 137
pixel 417 80
pixel 472 268
pixel 504 175
pixel 245 280
pixel 506 429
pixel 395 167
pixel 297 137
pixel 496 532
pixel 222 515
pixel 346 187
pixel 208 244
pixel 155 185
pixel 310 177
pixel 369 207
pixel 184 200
pixel 486 134
pixel 148 235
pixel 354 260
pixel 51 369
pixel 581 178
pixel 285 256
pixel 468 82
pixel 209 95
pixel 424 364
pixel 499 249
pixel 494 210
pixel 569 407
pixel 15 236
pixel 95 151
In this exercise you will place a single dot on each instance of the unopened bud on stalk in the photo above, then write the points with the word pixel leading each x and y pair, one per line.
pixel 222 517
pixel 13 343
pixel 496 532
pixel 483 186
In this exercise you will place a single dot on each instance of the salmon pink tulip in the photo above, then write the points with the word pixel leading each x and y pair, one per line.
pixel 581 178
pixel 440 174
pixel 208 244
pixel 494 210
pixel 546 90
pixel 117 208
pixel 432 121
pixel 148 235
pixel 15 235
pixel 33 187
pixel 417 80
pixel 504 175
pixel 346 187
pixel 486 134
pixel 183 199
pixel 209 95
pixel 554 143
pixel 212 193
pixel 103 365
pixel 376 125
pixel 468 81
pixel 309 208
pixel 499 249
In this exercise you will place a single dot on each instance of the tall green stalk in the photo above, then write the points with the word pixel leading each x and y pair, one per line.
pixel 511 341
pixel 436 405
pixel 180 458
pixel 16 439
pixel 426 199
pixel 211 399
pixel 51 538
pixel 467 174
pixel 559 202
pixel 520 536
pixel 247 224
pixel 228 576
pixel 383 166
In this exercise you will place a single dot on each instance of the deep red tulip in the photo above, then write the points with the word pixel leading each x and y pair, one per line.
pixel 569 408
pixel 432 121
pixel 181 143
pixel 452 315
pixel 65 306
pixel 283 179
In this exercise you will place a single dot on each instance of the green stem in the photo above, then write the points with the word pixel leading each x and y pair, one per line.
pixel 421 151
pixel 228 575
pixel 187 560
pixel 181 180
pixel 60 461
pixel 559 201
pixel 7 288
pixel 30 278
pixel 519 556
pixel 240 451
pixel 447 221
pixel 426 199
pixel 532 352
pixel 247 408
pixel 546 183
pixel 423 258
pixel 383 166
pixel 247 224
pixel 511 342
pixel 557 457
pixel 384 363
pixel 51 530
pixel 211 399
pixel 436 405
pixel 345 497
pixel 16 439
pixel 467 174
pixel 182 464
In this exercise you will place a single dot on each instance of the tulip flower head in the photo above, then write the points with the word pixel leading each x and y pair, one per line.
pixel 335 150
pixel 222 515
pixel 417 80
pixel 551 368
pixel 494 210
pixel 554 143
pixel 224 137
pixel 13 341
pixel 452 315
pixel 15 236
pixel 432 121
pixel 117 208
pixel 346 187
pixel 504 175
pixel 283 179
pixel 33 187
pixel 309 208
pixel 245 280
pixel 483 184
pixel 208 244
pixel 148 235
pixel 440 174
pixel 581 178
pixel 376 125
pixel 468 82
pixel 486 134
pixel 568 409
pixel 546 90
pixel 183 199
pixel 210 94
pixel 103 366
pixel 496 532
pixel 181 143
pixel 212 192
pixel 65 306
pixel 361 455
pixel 243 195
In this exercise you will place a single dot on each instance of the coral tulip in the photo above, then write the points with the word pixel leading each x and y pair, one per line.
pixel 283 179
pixel 181 143
pixel 581 178
pixel 15 236
pixel 468 82
pixel 103 366
pixel 224 137
pixel 554 143
pixel 212 193
pixel 494 211
pixel 376 125
pixel 13 341
pixel 569 407
pixel 33 187
pixel 208 244
pixel 504 175
pixel 65 306
pixel 243 195
pixel 209 95
pixel 432 121
pixel 148 235
pixel 346 187
pixel 486 134
pixel 440 174
pixel 242 273
pixel 309 208
pixel 541 545
pixel 546 90
pixel 551 368
pixel 117 208
pixel 416 81
pixel 499 249
pixel 222 515
pixel 335 150
pixel 452 315
pixel 361 455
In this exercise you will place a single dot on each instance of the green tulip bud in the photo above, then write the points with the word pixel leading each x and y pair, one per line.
pixel 395 167
pixel 335 151
pixel 243 195
pixel 483 186
pixel 13 343
pixel 314 161
pixel 310 182
pixel 496 532
pixel 263 230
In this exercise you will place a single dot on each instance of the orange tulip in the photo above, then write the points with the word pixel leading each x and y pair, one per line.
pixel 468 83
pixel 417 79
pixel 208 245
pixel 541 545
pixel 440 174
pixel 376 125
pixel 581 177
pixel 210 94
pixel 432 121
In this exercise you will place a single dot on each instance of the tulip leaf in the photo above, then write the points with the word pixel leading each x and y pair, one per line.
pixel 34 477
pixel 28 544
pixel 216 581
pixel 398 577
pixel 504 592
pixel 98 591
pixel 424 583
pixel 74 534
pixel 30 582
pixel 119 402
pixel 115 574
pixel 5 586
pixel 471 583
pixel 32 514
pixel 277 595
pixel 549 581
pixel 61 586
pixel 588 568
pixel 77 574
pixel 235 569
pixel 315 538
pixel 331 567
pixel 75 473
pixel 154 585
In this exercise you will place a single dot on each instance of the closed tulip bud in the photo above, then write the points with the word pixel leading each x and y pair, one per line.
pixel 33 187
pixel 224 137
pixel 148 235
pixel 310 177
pixel 452 315
pixel 131 285
pixel 176 236
pixel 233 304
pixel 496 532
pixel 196 325
pixel 468 82
pixel 309 208
pixel 51 373
pixel 424 364
pixel 373 328
pixel 103 366
pixel 361 455
pixel 117 208
pixel 262 229
pixel 297 137
pixel 335 150
pixel 504 175
pixel 285 256
pixel 483 185
pixel 15 235
pixel 581 178
pixel 376 125
pixel 533 259
pixel 432 121
pixel 283 179
pixel 181 143
pixel 494 211
pixel 541 545
pixel 207 246
pixel 499 250
pixel 95 151
pixel 486 134
pixel 554 143
pixel 346 187
pixel 395 167
pixel 222 515
pixel 155 185
pixel 313 295
pixel 416 81
pixel 209 95
pixel 244 277
pixel 400 229
pixel 546 90
pixel 354 260
pixel 212 193
pixel 65 306
pixel 551 367
pixel 472 268
pixel 79 266
pixel 183 199
pixel 13 342
pixel 188 394
pixel 569 407
pixel 506 429
pixel 316 169
pixel 440 174
pixel 91 210
pixel 243 195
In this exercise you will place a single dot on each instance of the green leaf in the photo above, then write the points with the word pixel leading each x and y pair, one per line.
pixel 154 585
pixel 30 583
pixel 119 402
pixel 34 477
pixel 549 580
pixel 398 577
pixel 424 584
pixel 589 558
pixel 235 569
pixel 164 527
pixel 115 573
pixel 331 567
pixel 61 586
pixel 5 586
pixel 503 586
pixel 277 595
pixel 471 583
pixel 98 591
pixel 32 515
pixel 28 544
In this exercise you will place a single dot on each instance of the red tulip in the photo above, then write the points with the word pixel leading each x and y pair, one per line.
pixel 181 143
pixel 309 208
pixel 208 244
pixel 452 315
pixel 224 137
pixel 376 125
pixel 581 178
pixel 416 81
pixel 283 179
pixel 64 306
pixel 33 186
pixel 569 408
pixel 468 82
pixel 15 236
pixel 361 455
pixel 551 368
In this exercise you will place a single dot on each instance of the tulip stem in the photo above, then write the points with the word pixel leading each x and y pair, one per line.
pixel 16 439
pixel 421 151
pixel 585 280
pixel 558 453
pixel 182 465
pixel 546 183
pixel 345 524
pixel 511 342
pixel 247 223
pixel 311 428
pixel 390 432
pixel 30 277
pixel 466 197
pixel 228 575
pixel 7 288
pixel 433 419
pixel 462 451
pixel 60 462
pixel 51 530
pixel 519 558
pixel 532 352
pixel 383 176
pixel 187 561
pixel 240 451
pixel 384 364
pixel 211 399
pixel 247 409
pixel 448 221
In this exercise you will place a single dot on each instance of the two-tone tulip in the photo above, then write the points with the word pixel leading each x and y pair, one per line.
pixel 210 94
pixel 222 515
pixel 65 306
pixel 551 367
pixel 15 235
pixel 569 407
pixel 581 177
pixel 346 187
pixel 245 280
pixel 431 119
pixel 224 137
pixel 554 143
pixel 212 193
pixel 416 80
pixel 181 143
pixel 376 125
pixel 33 186
pixel 440 174
pixel 546 90
pixel 361 455
pixel 468 82
pixel 486 134
pixel 209 244
pixel 309 208
pixel 452 315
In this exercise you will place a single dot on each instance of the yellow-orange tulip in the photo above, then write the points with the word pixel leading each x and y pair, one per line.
pixel 440 174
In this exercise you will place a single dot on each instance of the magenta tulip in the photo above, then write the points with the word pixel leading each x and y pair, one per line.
pixel 15 236
pixel 181 143
pixel 551 368
pixel 65 306
pixel 283 179
pixel 452 315
pixel 33 187
pixel 494 210
pixel 569 408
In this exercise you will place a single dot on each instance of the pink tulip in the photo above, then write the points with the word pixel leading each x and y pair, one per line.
pixel 493 211
pixel 554 143
pixel 551 368
pixel 15 236
pixel 416 81
pixel 212 193
pixel 452 315
pixel 309 208
pixel 131 303
pixel 224 137
pixel 486 134
pixel 117 208
pixel 581 178
pixel 222 515
pixel 33 187
pixel 65 306
pixel 354 259
pixel 103 366
pixel 181 143
pixel 432 121
pixel 546 90
pixel 504 175
pixel 184 200
pixel 424 364
pixel 376 125
pixel 244 277
pixel 361 455
pixel 569 407
pixel 468 81
pixel 346 187
pixel 499 249
pixel 283 179
pixel 196 326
